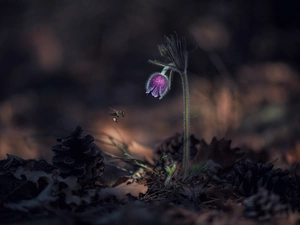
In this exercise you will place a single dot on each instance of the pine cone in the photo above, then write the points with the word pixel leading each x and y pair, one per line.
pixel 78 156
pixel 248 177
pixel 173 148
pixel 263 205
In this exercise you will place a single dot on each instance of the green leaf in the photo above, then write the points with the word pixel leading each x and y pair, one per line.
pixel 171 170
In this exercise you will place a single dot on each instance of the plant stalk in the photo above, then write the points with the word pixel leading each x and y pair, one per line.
pixel 186 123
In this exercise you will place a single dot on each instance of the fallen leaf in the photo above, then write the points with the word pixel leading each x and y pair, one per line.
pixel 122 180
pixel 71 186
pixel 86 198
pixel 221 192
pixel 194 192
pixel 44 198
pixel 10 159
pixel 32 175
pixel 122 190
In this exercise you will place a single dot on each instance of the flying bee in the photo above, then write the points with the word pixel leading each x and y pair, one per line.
pixel 116 114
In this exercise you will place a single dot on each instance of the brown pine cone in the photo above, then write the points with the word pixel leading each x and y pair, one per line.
pixel 263 205
pixel 248 177
pixel 78 156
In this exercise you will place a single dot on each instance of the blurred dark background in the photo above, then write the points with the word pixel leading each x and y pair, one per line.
pixel 63 63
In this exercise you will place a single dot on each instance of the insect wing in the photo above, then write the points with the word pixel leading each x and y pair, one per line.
pixel 120 113
pixel 113 114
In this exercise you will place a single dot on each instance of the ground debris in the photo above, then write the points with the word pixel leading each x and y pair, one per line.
pixel 123 187
pixel 231 190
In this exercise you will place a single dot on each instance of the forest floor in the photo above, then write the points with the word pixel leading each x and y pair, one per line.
pixel 224 185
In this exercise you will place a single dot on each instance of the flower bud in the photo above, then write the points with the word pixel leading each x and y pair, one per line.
pixel 157 85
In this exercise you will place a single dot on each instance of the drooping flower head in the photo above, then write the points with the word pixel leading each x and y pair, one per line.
pixel 157 85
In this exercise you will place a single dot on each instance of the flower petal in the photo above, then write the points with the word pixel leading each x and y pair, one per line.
pixel 157 84
pixel 155 92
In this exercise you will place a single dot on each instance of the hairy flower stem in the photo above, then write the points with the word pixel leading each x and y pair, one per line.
pixel 186 123
pixel 174 52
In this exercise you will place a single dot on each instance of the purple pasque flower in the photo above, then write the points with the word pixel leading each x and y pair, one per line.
pixel 158 85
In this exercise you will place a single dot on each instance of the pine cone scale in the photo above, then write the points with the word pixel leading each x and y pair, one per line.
pixel 60 148
pixel 69 160
pixel 58 158
pixel 256 175
pixel 78 156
